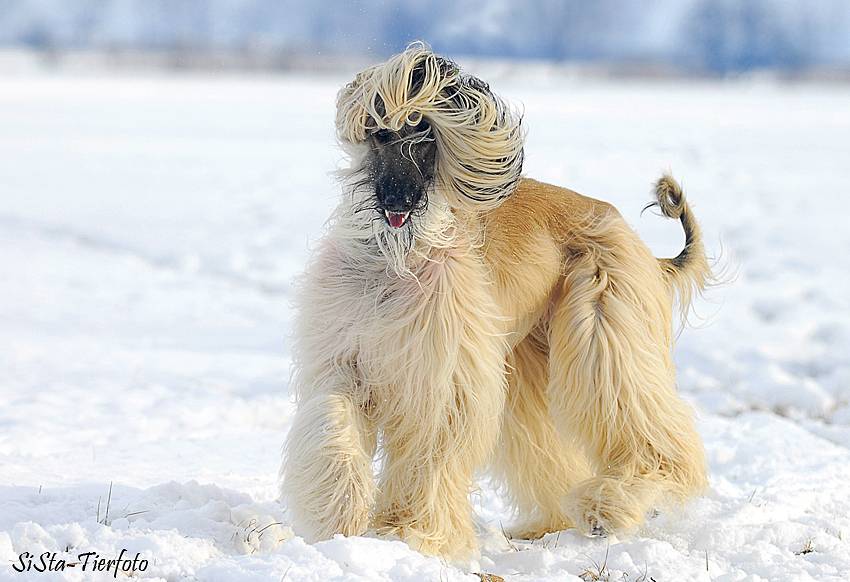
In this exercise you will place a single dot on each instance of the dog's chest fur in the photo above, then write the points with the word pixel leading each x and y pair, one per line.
pixel 406 334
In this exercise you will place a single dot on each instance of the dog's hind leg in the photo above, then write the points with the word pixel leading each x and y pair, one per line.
pixel 327 475
pixel 534 465
pixel 612 383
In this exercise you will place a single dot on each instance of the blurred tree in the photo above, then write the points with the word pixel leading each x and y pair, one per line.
pixel 720 36
pixel 729 36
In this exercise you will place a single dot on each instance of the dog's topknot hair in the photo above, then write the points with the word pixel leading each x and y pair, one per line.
pixel 479 137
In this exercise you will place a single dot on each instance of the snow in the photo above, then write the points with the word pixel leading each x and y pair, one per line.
pixel 150 225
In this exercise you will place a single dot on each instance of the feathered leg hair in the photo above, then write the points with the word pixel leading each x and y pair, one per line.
pixel 612 382
pixel 534 464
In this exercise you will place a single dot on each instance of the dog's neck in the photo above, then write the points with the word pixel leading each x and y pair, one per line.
pixel 371 242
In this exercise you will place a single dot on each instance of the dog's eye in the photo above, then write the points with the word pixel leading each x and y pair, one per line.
pixel 383 135
pixel 422 127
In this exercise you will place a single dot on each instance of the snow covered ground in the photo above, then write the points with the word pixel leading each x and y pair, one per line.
pixel 150 226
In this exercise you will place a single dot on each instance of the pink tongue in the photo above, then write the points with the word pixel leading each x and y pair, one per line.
pixel 396 220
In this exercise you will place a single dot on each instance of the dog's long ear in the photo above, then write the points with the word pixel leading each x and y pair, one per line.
pixel 481 141
pixel 479 137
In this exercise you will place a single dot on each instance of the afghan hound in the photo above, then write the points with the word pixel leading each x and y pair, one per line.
pixel 457 315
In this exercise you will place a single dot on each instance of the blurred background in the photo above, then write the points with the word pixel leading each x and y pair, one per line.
pixel 694 37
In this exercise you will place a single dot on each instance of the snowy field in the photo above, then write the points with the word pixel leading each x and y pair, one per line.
pixel 150 227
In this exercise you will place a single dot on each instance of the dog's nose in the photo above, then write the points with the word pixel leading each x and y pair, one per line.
pixel 396 193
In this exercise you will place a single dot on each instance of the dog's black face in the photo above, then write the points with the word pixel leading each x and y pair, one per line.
pixel 400 170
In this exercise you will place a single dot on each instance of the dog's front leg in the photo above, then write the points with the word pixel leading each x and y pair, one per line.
pixel 327 476
pixel 446 406
pixel 425 484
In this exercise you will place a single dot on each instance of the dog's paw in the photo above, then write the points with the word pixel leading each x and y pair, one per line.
pixel 534 530
pixel 597 531
pixel 457 542
pixel 605 506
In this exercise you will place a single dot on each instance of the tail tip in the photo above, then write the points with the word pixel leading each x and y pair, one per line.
pixel 669 197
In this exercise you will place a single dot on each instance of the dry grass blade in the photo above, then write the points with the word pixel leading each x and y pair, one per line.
pixel 508 539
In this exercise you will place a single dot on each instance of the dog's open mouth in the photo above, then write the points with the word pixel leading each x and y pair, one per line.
pixel 395 219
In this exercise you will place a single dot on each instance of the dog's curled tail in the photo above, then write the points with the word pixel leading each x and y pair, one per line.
pixel 689 272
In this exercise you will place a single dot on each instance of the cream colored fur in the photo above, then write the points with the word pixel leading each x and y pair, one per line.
pixel 532 331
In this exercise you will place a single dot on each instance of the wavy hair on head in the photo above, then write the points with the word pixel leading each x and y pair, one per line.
pixel 479 136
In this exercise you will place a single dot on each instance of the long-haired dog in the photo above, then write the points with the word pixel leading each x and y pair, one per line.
pixel 456 313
